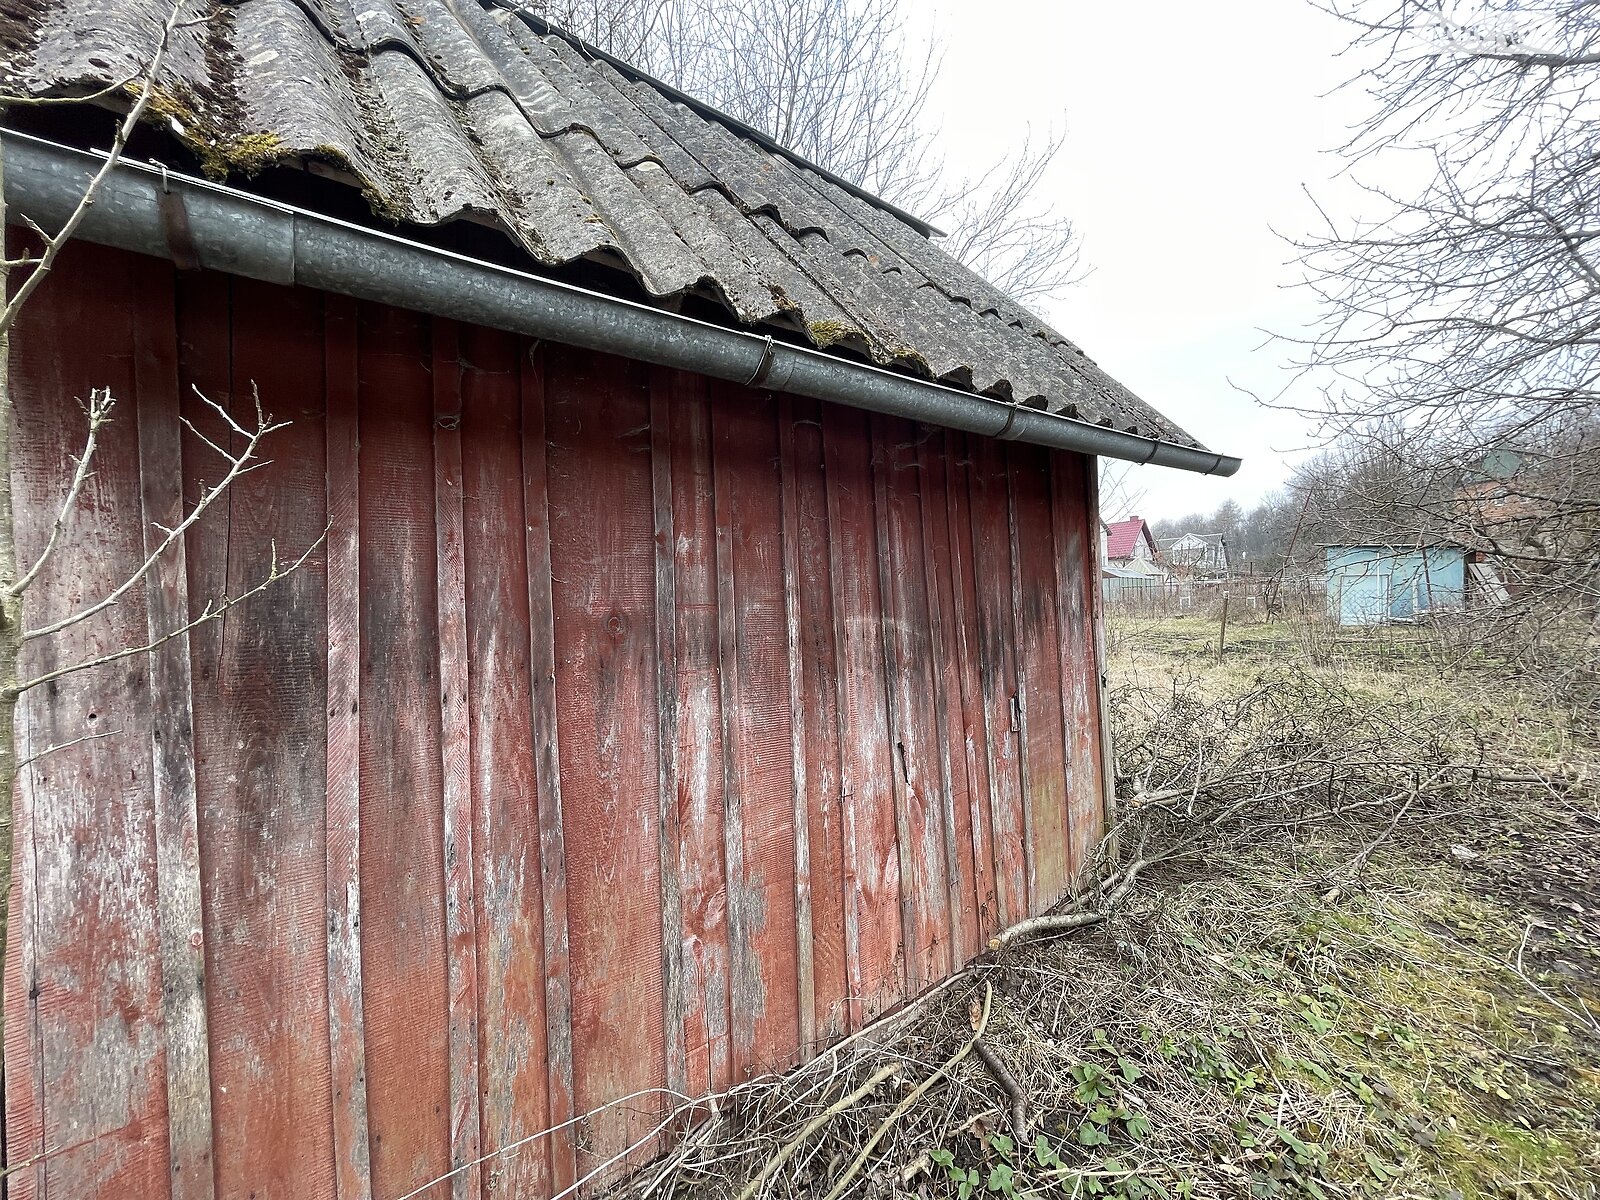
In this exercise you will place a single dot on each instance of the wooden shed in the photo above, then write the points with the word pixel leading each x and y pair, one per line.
pixel 692 653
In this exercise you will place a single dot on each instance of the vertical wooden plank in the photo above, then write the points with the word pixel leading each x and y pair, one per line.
pixel 1039 661
pixel 183 991
pixel 743 979
pixel 765 1002
pixel 975 734
pixel 1079 680
pixel 90 973
pixel 805 953
pixel 918 794
pixel 547 758
pixel 818 716
pixel 913 938
pixel 956 809
pixel 509 889
pixel 873 920
pixel 405 948
pixel 23 1062
pixel 661 397
pixel 259 678
pixel 455 756
pixel 352 1172
pixel 1066 490
pixel 603 552
pixel 24 1104
pixel 1107 750
pixel 990 511
pixel 703 887
pixel 1020 684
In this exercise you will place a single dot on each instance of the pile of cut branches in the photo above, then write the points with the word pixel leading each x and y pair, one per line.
pixel 1222 1008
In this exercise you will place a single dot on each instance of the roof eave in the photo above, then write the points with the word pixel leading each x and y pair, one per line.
pixel 238 233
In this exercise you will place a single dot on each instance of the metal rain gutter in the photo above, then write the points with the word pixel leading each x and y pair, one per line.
pixel 148 210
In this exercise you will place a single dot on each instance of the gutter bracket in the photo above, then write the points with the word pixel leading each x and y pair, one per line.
pixel 763 366
pixel 175 226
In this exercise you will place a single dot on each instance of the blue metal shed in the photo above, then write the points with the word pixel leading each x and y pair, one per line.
pixel 1369 585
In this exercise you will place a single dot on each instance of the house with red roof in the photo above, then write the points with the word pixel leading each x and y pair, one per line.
pixel 1130 546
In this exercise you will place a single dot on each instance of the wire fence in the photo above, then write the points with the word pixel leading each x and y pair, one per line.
pixel 1247 596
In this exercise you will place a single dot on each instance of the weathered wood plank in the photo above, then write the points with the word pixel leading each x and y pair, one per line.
pixel 404 943
pixel 90 973
pixel 702 876
pixel 1077 586
pixel 1039 660
pixel 664 386
pixel 765 1002
pixel 975 734
pixel 547 759
pixel 990 512
pixel 873 920
pixel 805 948
pixel 183 991
pixel 949 731
pixel 918 794
pixel 259 678
pixel 743 978
pixel 819 684
pixel 1079 681
pixel 511 979
pixel 602 547
pixel 455 755
pixel 1020 684
pixel 24 1104
pixel 352 1168
pixel 24 1099
pixel 1108 758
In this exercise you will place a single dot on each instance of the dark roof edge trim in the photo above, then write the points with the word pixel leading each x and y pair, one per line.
pixel 240 234
pixel 544 27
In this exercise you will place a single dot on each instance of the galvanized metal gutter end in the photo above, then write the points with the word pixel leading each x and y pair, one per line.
pixel 195 223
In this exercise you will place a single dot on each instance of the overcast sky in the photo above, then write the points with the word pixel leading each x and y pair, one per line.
pixel 1192 132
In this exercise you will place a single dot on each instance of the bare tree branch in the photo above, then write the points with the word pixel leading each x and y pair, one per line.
pixel 53 243
pixel 98 411
pixel 238 464
pixel 213 610
pixel 1001 229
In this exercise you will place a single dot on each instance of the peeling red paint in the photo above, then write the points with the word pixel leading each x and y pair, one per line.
pixel 629 731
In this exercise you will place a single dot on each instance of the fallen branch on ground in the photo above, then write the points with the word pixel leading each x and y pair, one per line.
pixel 912 1097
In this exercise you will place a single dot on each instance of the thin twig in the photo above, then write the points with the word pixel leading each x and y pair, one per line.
pixel 53 245
pixel 98 411
pixel 78 741
pixel 912 1097
pixel 1009 1085
pixel 849 1101
pixel 212 611
pixel 241 464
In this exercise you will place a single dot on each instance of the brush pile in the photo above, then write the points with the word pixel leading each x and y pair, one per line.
pixel 1277 983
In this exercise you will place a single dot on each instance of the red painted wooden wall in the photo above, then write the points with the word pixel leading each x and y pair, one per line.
pixel 630 733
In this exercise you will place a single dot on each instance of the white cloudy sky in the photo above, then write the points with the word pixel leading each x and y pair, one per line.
pixel 1193 130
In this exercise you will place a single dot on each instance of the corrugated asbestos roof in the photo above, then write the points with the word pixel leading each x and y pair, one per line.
pixel 450 109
